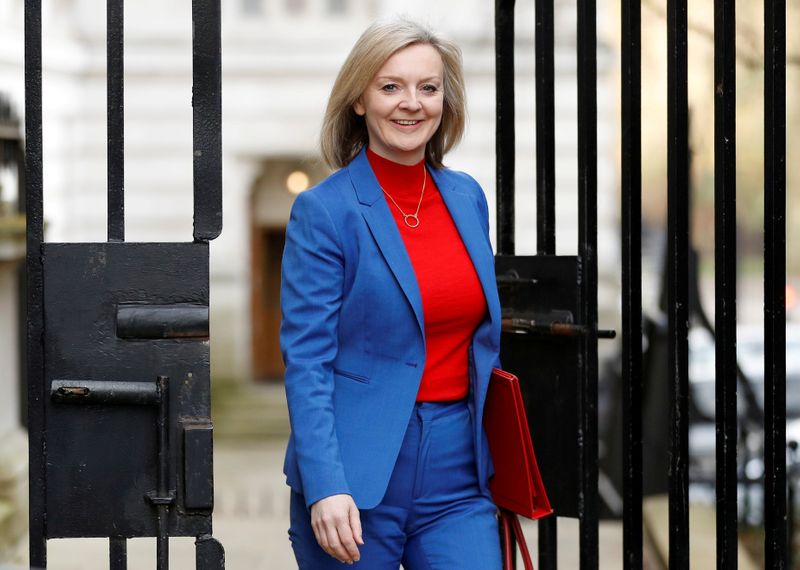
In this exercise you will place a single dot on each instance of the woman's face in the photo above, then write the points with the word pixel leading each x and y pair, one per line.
pixel 402 105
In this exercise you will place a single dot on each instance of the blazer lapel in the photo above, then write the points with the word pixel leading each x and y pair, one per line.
pixel 384 231
pixel 470 227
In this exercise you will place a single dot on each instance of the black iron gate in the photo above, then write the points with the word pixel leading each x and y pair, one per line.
pixel 552 300
pixel 118 356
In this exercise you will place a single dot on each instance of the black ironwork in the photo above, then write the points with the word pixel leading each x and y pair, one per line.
pixel 545 196
pixel 550 306
pixel 631 207
pixel 117 449
pixel 115 72
pixel 505 128
pixel 587 254
pixel 207 117
pixel 35 284
pixel 118 553
pixel 678 280
pixel 725 280
pixel 545 129
pixel 776 543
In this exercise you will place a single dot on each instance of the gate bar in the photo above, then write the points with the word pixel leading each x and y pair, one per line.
pixel 678 280
pixel 725 279
pixel 35 282
pixel 505 134
pixel 587 251
pixel 116 119
pixel 631 100
pixel 207 118
pixel 545 131
pixel 164 498
pixel 775 523
pixel 545 200
pixel 118 553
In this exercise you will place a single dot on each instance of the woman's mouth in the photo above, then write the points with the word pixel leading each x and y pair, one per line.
pixel 406 123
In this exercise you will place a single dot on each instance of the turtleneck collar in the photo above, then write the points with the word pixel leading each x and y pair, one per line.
pixel 400 180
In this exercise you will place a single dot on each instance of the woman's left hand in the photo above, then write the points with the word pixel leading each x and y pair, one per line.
pixel 337 526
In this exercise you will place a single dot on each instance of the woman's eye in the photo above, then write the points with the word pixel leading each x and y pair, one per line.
pixel 428 88
pixel 389 87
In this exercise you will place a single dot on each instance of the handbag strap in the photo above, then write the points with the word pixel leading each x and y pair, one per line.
pixel 510 523
pixel 505 532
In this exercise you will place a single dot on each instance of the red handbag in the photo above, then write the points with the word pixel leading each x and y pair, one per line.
pixel 516 486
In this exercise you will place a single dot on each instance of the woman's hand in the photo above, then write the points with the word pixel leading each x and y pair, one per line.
pixel 337 527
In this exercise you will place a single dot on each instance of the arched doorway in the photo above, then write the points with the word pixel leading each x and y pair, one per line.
pixel 274 190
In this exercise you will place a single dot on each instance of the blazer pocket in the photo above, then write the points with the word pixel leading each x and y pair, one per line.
pixel 351 375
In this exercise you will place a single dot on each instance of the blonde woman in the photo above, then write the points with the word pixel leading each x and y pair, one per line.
pixel 391 323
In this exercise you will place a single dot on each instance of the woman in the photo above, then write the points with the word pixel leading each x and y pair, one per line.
pixel 391 323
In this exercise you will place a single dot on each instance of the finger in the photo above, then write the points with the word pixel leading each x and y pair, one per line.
pixel 355 525
pixel 335 547
pixel 322 538
pixel 347 539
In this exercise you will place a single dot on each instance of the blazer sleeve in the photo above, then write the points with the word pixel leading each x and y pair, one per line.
pixel 483 208
pixel 311 296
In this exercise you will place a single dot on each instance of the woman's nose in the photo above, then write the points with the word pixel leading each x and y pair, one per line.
pixel 410 101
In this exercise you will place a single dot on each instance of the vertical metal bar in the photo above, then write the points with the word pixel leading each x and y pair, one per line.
pixel 116 119
pixel 587 251
pixel 548 543
pixel 774 284
pixel 209 554
pixel 545 200
pixel 505 137
pixel 35 284
pixel 207 121
pixel 162 506
pixel 118 553
pixel 725 278
pixel 545 130
pixel 678 280
pixel 632 538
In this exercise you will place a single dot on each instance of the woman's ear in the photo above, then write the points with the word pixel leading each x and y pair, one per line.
pixel 358 107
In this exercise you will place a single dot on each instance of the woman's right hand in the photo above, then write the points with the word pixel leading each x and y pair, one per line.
pixel 337 527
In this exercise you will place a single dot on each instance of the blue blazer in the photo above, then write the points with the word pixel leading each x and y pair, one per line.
pixel 352 333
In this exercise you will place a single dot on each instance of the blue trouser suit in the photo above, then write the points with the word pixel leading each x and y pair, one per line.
pixel 434 515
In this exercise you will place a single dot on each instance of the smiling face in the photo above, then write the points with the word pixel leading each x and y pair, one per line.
pixel 402 105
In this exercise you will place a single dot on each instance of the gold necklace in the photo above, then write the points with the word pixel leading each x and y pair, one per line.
pixel 415 215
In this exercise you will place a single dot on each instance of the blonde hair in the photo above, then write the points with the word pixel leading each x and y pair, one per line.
pixel 344 132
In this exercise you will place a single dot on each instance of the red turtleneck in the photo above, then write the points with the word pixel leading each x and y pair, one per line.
pixel 453 304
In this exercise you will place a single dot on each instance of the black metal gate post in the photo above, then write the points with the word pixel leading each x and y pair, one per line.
pixel 631 209
pixel 545 196
pixel 588 507
pixel 120 435
pixel 549 301
pixel 775 523
pixel 725 280
pixel 545 295
pixel 678 280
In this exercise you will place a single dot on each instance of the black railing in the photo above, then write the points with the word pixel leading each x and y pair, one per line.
pixel 681 303
pixel 775 515
pixel 133 322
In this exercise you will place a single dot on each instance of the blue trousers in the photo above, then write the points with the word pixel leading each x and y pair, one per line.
pixel 433 516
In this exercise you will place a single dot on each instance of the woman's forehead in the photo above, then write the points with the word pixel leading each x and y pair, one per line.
pixel 419 59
